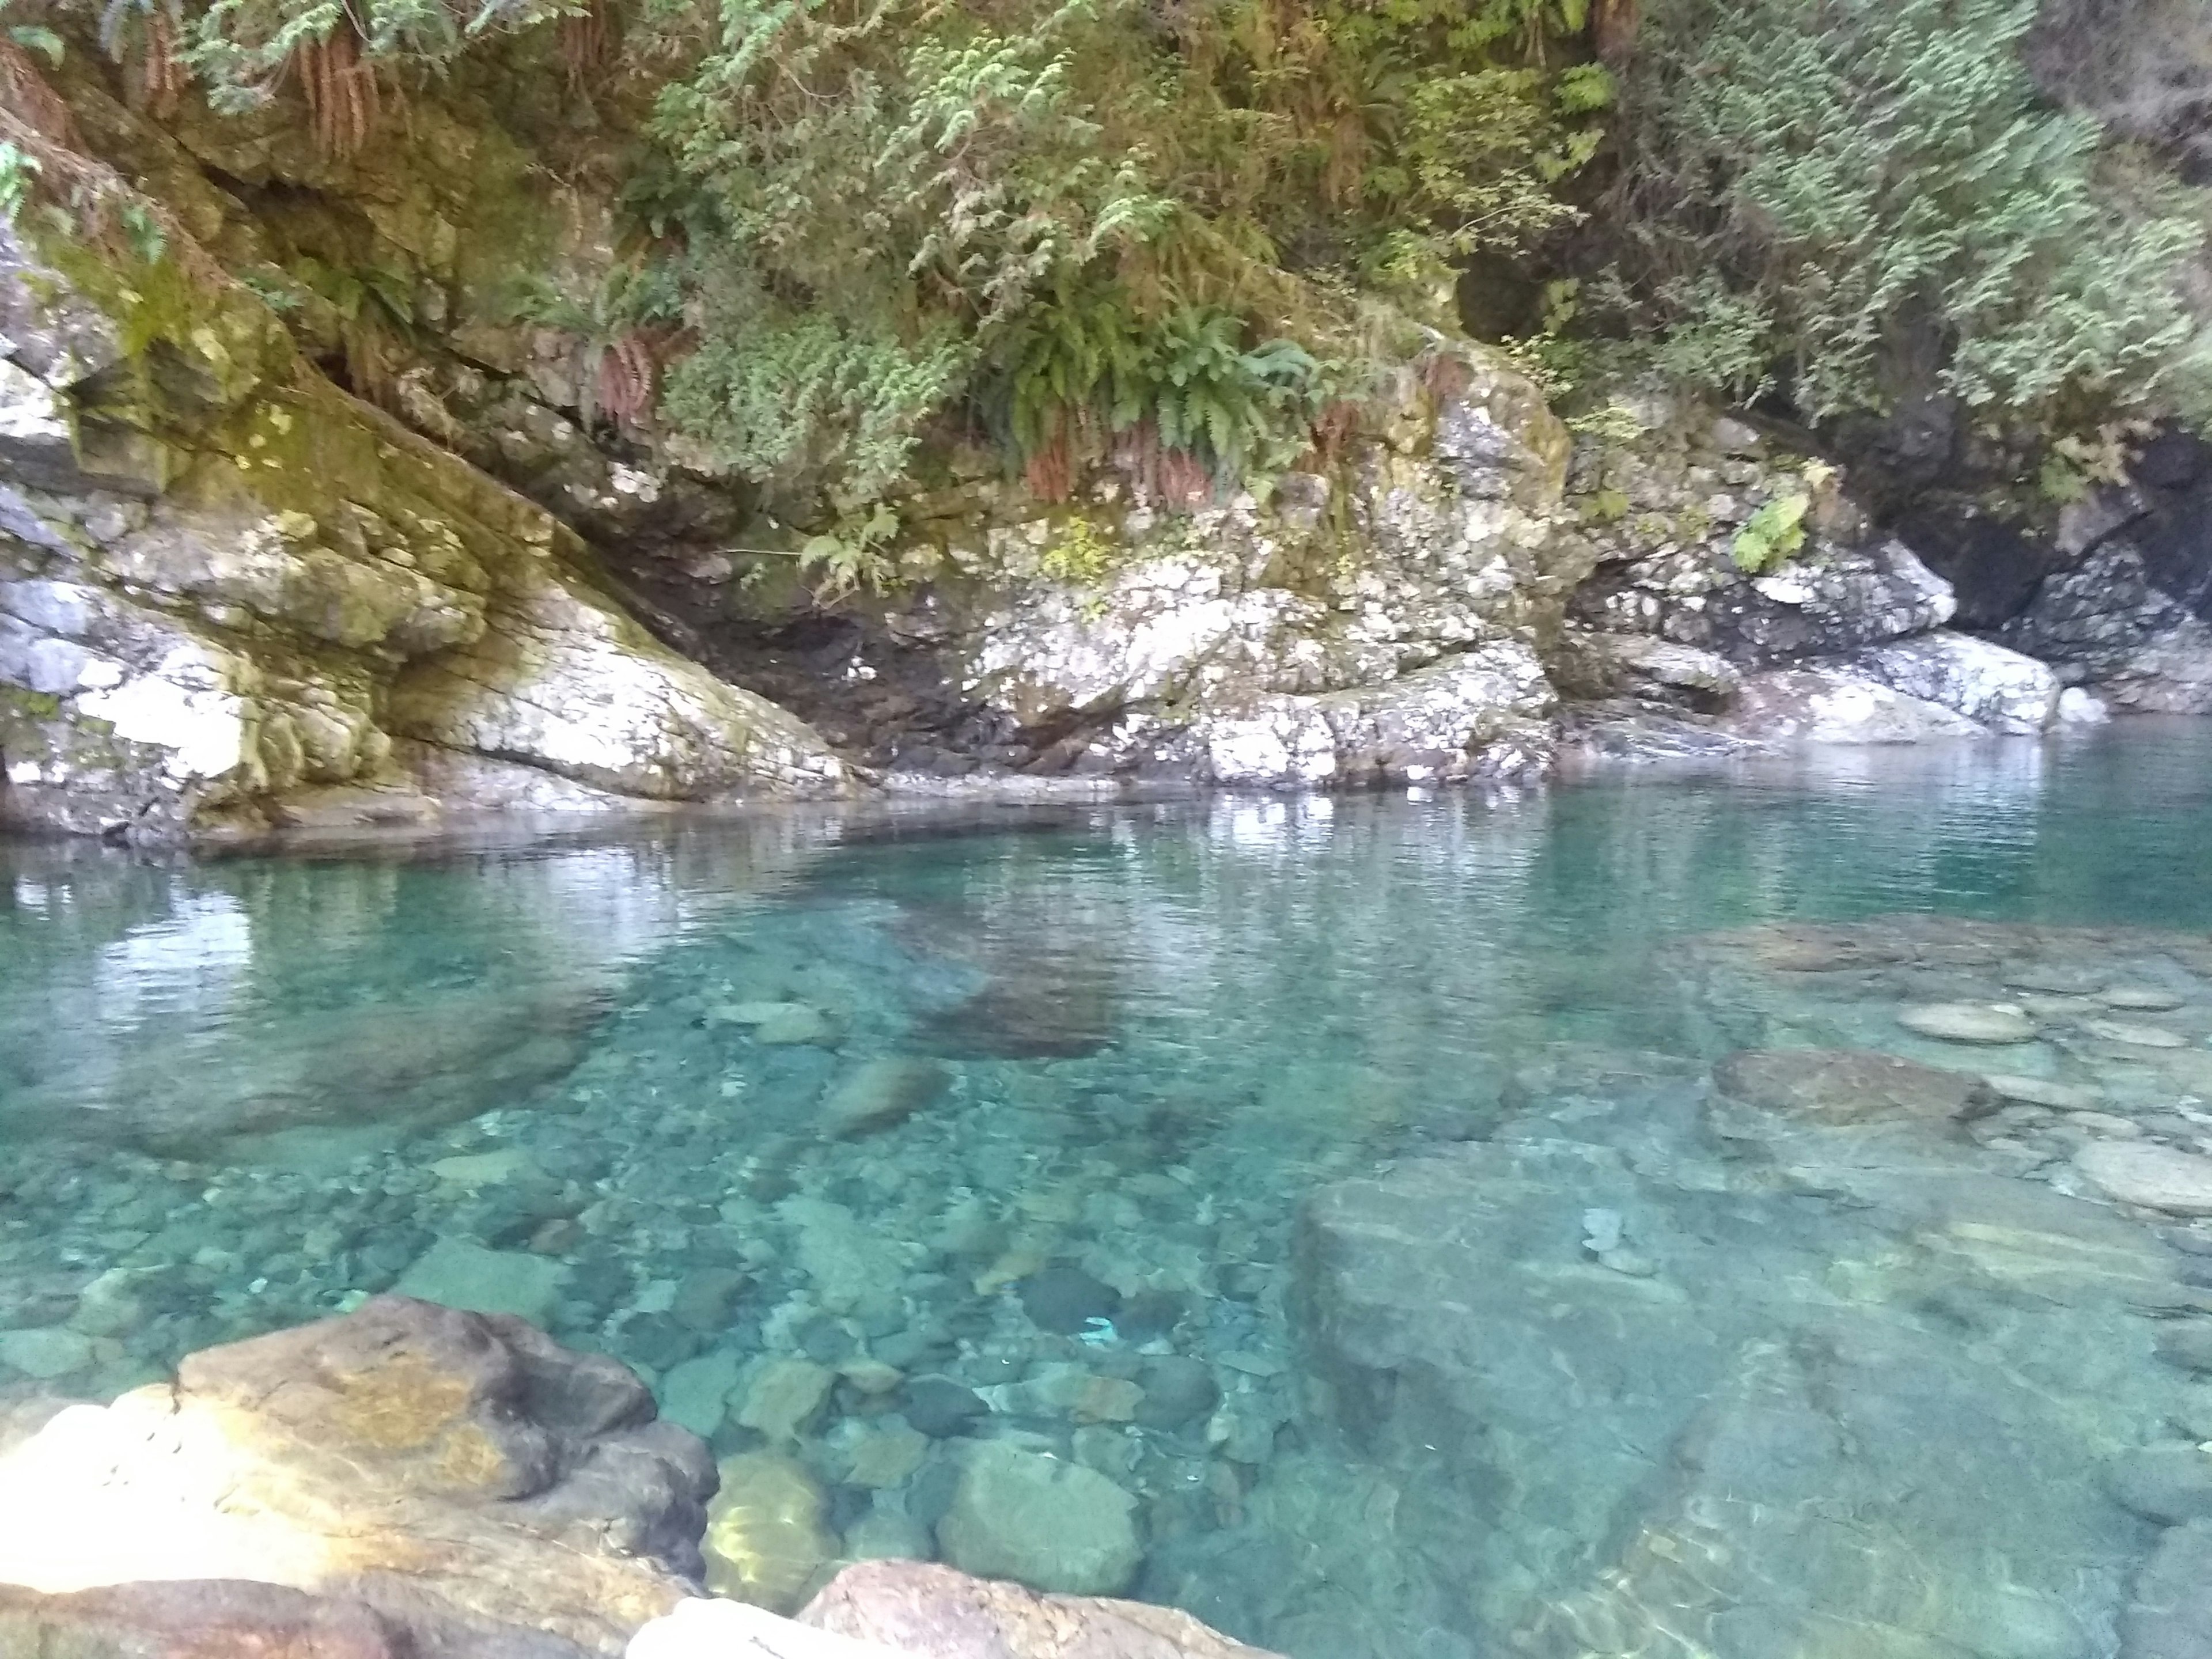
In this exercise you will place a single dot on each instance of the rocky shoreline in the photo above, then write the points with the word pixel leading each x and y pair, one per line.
pixel 236 599
pixel 409 1481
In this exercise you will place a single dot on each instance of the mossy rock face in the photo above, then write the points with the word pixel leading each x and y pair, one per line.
pixel 1384 619
pixel 240 583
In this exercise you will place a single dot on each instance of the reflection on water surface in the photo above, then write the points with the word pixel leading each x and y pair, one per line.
pixel 1341 1188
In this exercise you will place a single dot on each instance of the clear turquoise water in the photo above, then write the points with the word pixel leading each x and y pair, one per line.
pixel 1160 1052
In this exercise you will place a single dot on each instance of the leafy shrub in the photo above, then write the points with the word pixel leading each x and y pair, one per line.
pixel 1774 534
pixel 1818 191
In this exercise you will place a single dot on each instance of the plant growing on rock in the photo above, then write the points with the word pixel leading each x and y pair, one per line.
pixel 1850 200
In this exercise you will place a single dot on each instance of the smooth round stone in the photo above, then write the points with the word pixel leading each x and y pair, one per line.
pixel 2104 1123
pixel 2169 1482
pixel 2152 1177
pixel 1065 1300
pixel 47 1352
pixel 2140 998
pixel 941 1407
pixel 1052 1525
pixel 2059 982
pixel 1968 1022
pixel 2187 1343
pixel 2041 1091
pixel 1178 1389
pixel 2137 1036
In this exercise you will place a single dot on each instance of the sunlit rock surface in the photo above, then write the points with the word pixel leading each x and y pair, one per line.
pixel 935 1613
pixel 406 1456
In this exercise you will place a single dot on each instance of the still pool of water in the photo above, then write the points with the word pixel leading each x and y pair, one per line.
pixel 1341 1185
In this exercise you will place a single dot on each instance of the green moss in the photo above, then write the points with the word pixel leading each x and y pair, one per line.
pixel 1079 555
pixel 15 703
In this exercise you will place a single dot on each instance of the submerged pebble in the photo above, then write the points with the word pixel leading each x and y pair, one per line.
pixel 1968 1022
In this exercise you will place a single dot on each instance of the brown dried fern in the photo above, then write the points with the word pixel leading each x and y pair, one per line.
pixel 586 42
pixel 339 84
pixel 1612 28
pixel 1050 470
pixel 25 93
pixel 162 73
pixel 628 371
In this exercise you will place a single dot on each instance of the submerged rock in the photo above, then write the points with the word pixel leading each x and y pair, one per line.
pixel 439 1466
pixel 1845 1085
pixel 1065 1300
pixel 2154 1177
pixel 46 1353
pixel 881 1092
pixel 457 1273
pixel 766 1541
pixel 2169 1482
pixel 2041 1091
pixel 2141 999
pixel 1968 1022
pixel 2133 1035
pixel 940 1407
pixel 1052 1525
pixel 1749 1454
pixel 2169 1609
pixel 783 1396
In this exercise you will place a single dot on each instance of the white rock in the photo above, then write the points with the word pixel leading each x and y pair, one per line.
pixel 2135 1036
pixel 1968 1022
pixel 1829 704
pixel 1993 687
pixel 716 1629
pixel 2140 998
pixel 2152 1177
pixel 2080 708
pixel 2041 1091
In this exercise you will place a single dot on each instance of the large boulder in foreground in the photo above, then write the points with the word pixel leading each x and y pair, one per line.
pixel 238 1619
pixel 446 1470
pixel 935 1613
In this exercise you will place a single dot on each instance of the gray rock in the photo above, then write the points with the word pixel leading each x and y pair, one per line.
pixel 940 1407
pixel 456 1273
pixel 2152 1177
pixel 277 650
pixel 1064 1300
pixel 2169 1613
pixel 2169 1483
pixel 1824 704
pixel 45 1353
pixel 1834 601
pixel 2106 625
pixel 880 1093
pixel 2188 1344
pixel 1995 688
pixel 1975 1023
pixel 1049 1524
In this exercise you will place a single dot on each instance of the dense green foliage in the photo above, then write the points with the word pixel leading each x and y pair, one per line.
pixel 1187 241
pixel 1827 198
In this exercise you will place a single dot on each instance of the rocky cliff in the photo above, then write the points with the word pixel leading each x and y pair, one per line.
pixel 299 524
